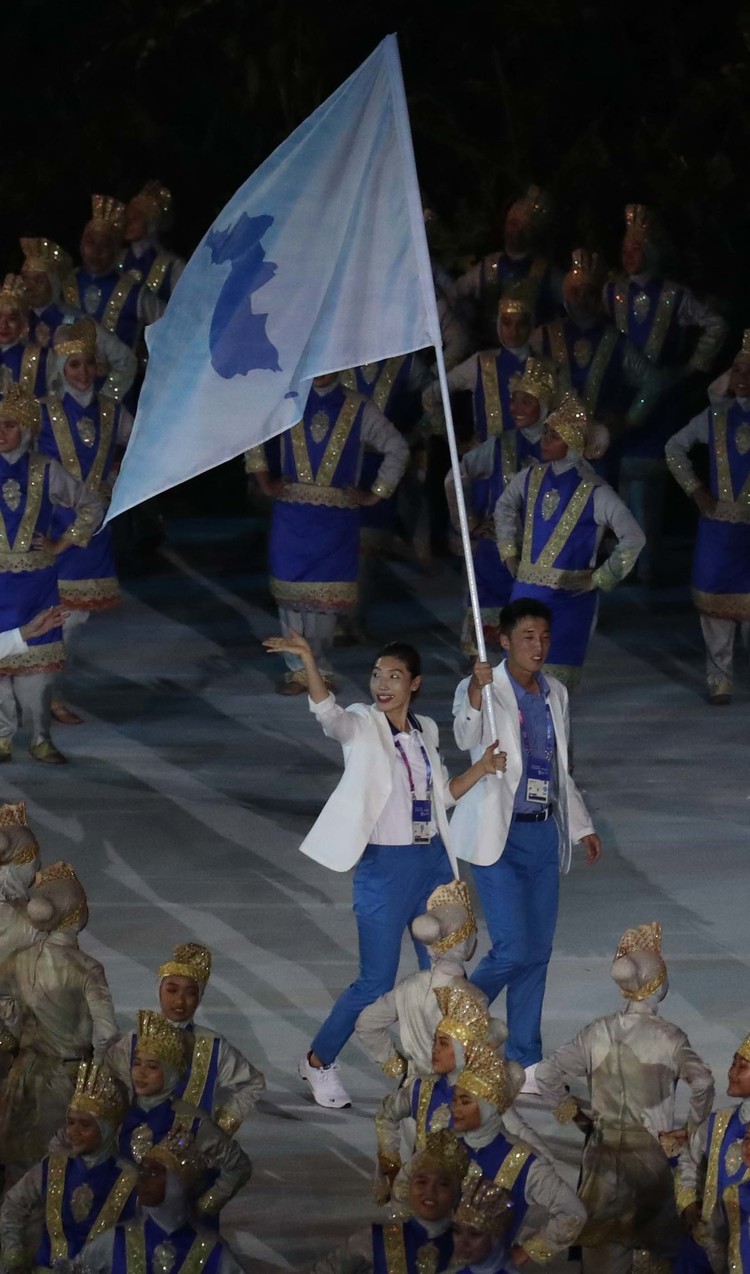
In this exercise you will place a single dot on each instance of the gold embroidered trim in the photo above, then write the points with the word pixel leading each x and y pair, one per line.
pixel 562 532
pixel 734 606
pixel 648 988
pixel 508 456
pixel 598 368
pixel 710 1189
pixel 135 1249
pixel 302 594
pixel 559 352
pixel 620 306
pixel 493 408
pixel 27 526
pixel 336 443
pixel 29 368
pixel 331 497
pixel 538 1249
pixel 113 308
pixel 684 1195
pixel 256 460
pixel 20 563
pixel 113 1205
pixel 395 1067
pixel 566 1112
pixel 660 325
pixel 730 508
pixel 63 437
pixel 385 381
pixel 228 1122
pixel 49 657
pixel 510 1169
pixel 395 1248
pixel 158 272
pixel 90 594
pixel 53 1207
pixel 550 577
pixel 425 1097
pixel 731 1202
pixel 199 1065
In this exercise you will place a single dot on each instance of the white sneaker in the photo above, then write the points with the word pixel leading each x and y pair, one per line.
pixel 530 1087
pixel 325 1084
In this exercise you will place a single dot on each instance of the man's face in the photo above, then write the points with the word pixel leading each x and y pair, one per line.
pixel 470 1246
pixel 443 1054
pixel 582 298
pixel 633 255
pixel 10 435
pixel 98 250
pixel 514 330
pixel 38 287
pixel 151 1186
pixel 465 1110
pixel 82 1131
pixel 147 1075
pixel 527 644
pixel 739 378
pixel 525 409
pixel 432 1194
pixel 11 324
pixel 179 997
pixel 517 230
pixel 739 1077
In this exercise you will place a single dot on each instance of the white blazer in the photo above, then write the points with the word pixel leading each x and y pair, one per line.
pixel 481 820
pixel 342 830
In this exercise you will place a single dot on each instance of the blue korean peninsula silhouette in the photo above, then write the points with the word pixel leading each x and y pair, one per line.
pixel 238 339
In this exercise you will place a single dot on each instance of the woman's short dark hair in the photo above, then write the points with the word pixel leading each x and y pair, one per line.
pixel 406 653
pixel 522 608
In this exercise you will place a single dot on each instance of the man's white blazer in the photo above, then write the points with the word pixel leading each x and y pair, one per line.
pixel 342 830
pixel 481 819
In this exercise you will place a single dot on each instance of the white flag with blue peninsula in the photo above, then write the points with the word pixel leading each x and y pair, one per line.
pixel 318 263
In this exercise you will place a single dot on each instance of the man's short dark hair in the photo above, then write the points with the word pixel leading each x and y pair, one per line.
pixel 523 608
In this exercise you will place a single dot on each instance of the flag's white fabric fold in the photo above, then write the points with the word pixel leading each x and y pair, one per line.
pixel 319 262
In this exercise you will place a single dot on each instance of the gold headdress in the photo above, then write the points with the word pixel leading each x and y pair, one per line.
pixel 570 421
pixel 484 1206
pixel 442 1150
pixel 538 378
pixel 744 1048
pixel 464 1018
pixel 743 353
pixel 46 257
pixel 13 293
pixel 643 938
pixel 534 206
pixel 15 816
pixel 98 1092
pixel 639 222
pixel 519 299
pixel 455 894
pixel 17 404
pixel 64 871
pixel 157 1037
pixel 155 200
pixel 189 960
pixel 585 266
pixel 178 1153
pixel 486 1076
pixel 76 338
pixel 107 214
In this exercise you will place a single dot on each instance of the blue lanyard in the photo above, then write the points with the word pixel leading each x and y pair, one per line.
pixel 550 740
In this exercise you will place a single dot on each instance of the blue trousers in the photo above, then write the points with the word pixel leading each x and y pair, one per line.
pixel 519 895
pixel 391 886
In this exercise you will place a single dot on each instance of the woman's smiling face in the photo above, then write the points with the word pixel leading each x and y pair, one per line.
pixel 392 685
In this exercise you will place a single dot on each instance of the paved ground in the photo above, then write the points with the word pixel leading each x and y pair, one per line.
pixel 192 785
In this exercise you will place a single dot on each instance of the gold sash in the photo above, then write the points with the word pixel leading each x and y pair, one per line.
pixel 114 307
pixel 711 1187
pixel 109 1212
pixel 510 1169
pixel 423 1106
pixel 137 1262
pixel 384 383
pixel 493 408
pixel 27 527
pixel 599 364
pixel 29 368
pixel 730 508
pixel 336 443
pixel 660 325
pixel 63 434
pixel 395 1252
pixel 202 1050
pixel 561 534
pixel 158 271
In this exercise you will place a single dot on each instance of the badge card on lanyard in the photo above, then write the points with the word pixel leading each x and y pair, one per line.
pixel 539 768
pixel 421 811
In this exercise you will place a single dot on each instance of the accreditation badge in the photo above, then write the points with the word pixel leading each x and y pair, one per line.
pixel 538 777
pixel 421 817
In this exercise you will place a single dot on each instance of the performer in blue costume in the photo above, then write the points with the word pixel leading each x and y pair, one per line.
pixel 160 1058
pixel 81 1188
pixel 484 1091
pixel 721 563
pixel 163 1239
pixel 21 362
pixel 480 1225
pixel 518 262
pixel 314 549
pixel 45 267
pixel 145 259
pixel 563 510
pixel 713 1186
pixel 33 488
pixel 486 471
pixel 429 1188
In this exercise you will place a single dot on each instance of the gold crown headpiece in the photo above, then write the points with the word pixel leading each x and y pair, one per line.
pixel 177 1151
pixel 13 293
pixel 570 420
pixel 107 214
pixel 744 1048
pixel 46 257
pixel 75 338
pixel 519 299
pixel 538 378
pixel 19 405
pixel 155 200
pixel 64 871
pixel 639 222
pixel 464 1018
pixel 485 1075
pixel 743 353
pixel 99 1092
pixel 643 938
pixel 454 894
pixel 189 960
pixel 534 206
pixel 157 1037
pixel 15 816
pixel 484 1206
pixel 585 265
pixel 442 1150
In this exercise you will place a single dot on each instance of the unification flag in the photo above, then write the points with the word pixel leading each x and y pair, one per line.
pixel 318 263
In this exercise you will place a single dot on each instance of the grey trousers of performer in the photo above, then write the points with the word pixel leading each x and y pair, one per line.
pixel 71 627
pixel 26 699
pixel 719 634
pixel 318 629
